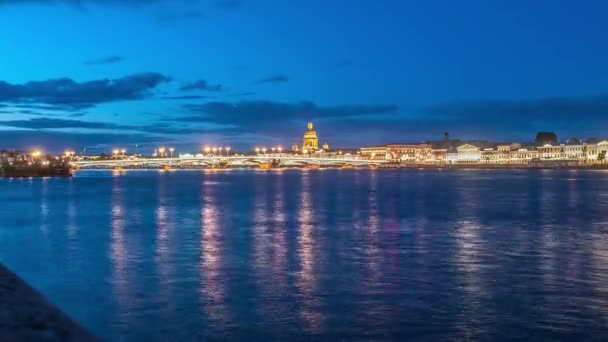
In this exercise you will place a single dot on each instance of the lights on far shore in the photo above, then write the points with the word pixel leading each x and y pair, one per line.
pixel 216 149
pixel 36 154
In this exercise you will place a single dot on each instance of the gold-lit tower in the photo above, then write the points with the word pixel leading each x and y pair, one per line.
pixel 310 141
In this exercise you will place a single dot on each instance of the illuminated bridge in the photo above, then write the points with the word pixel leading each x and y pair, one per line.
pixel 261 161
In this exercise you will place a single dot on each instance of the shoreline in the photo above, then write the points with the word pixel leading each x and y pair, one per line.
pixel 388 167
pixel 26 315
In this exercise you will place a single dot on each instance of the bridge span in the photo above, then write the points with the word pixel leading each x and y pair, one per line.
pixel 228 161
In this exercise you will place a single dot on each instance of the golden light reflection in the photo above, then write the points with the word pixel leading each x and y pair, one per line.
pixel 72 229
pixel 165 226
pixel 118 251
pixel 468 260
pixel 44 206
pixel 212 282
pixel 270 250
pixel 307 283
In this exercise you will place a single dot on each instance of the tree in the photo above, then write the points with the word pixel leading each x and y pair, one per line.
pixel 543 138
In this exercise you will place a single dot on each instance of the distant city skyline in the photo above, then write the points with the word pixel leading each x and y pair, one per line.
pixel 96 74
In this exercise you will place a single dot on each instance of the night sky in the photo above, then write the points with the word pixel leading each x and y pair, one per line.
pixel 245 73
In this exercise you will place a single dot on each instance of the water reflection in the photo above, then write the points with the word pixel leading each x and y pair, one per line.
pixel 165 249
pixel 331 255
pixel 44 205
pixel 119 253
pixel 310 312
pixel 212 280
pixel 468 259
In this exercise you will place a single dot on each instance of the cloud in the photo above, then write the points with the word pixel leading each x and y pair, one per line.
pixel 201 85
pixel 51 123
pixel 274 79
pixel 69 94
pixel 555 108
pixel 186 97
pixel 250 114
pixel 105 60
pixel 59 141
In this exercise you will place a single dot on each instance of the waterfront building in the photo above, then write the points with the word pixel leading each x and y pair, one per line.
pixel 438 156
pixel 374 152
pixel 451 157
pixel 574 152
pixel 469 154
pixel 522 156
pixel 490 156
pixel 295 148
pixel 596 152
pixel 325 147
pixel 549 151
pixel 419 153
pixel 310 141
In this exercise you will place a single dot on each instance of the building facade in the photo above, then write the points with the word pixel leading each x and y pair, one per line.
pixel 374 152
pixel 310 141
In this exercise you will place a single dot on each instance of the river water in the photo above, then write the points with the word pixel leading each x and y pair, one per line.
pixel 317 254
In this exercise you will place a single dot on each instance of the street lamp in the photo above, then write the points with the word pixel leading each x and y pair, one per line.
pixel 207 149
pixel 227 150
pixel 214 150
pixel 264 150
pixel 115 153
pixel 123 151
pixel 257 150
pixel 280 149
pixel 162 151
pixel 171 149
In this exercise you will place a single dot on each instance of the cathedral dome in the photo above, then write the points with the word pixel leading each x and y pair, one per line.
pixel 310 140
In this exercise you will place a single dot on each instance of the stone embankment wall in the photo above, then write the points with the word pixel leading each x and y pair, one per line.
pixel 25 315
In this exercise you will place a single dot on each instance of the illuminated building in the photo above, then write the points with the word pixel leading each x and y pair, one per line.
pixel 374 152
pixel 574 152
pixel 325 147
pixel 468 154
pixel 310 142
pixel 596 152
pixel 295 148
pixel 549 151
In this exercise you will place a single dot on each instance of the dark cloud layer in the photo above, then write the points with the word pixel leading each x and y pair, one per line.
pixel 258 113
pixel 201 85
pixel 274 79
pixel 105 60
pixel 67 93
pixel 221 4
pixel 556 109
pixel 47 123
pixel 59 141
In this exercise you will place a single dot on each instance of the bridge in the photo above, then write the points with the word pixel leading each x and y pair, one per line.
pixel 259 161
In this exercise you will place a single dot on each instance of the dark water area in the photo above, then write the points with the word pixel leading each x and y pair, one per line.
pixel 317 254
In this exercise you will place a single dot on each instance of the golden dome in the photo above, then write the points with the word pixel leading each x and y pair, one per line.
pixel 310 132
pixel 310 140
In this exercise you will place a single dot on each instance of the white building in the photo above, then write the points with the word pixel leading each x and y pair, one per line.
pixel 468 154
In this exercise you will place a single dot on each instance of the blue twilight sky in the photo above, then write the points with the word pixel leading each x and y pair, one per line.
pixel 105 73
